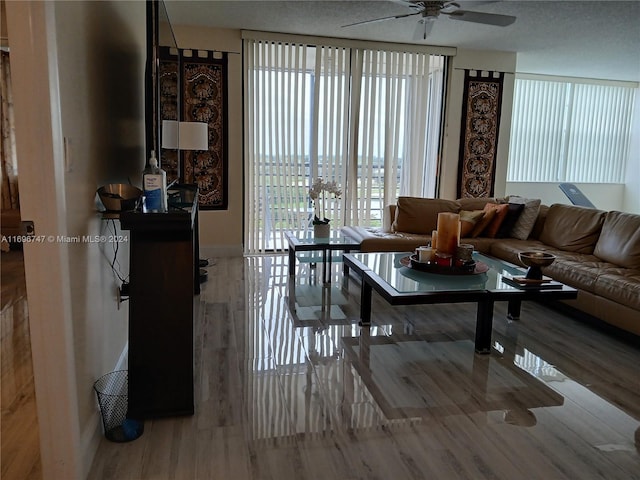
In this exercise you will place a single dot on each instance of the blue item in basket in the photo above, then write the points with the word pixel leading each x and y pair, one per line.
pixel 131 429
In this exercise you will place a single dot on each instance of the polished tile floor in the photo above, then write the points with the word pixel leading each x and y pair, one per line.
pixel 289 387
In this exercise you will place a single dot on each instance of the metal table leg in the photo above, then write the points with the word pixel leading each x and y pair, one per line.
pixel 292 261
pixel 513 309
pixel 365 303
pixel 484 325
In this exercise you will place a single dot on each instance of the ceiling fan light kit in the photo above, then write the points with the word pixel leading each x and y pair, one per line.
pixel 431 10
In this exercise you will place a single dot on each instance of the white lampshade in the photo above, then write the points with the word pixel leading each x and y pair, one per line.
pixel 194 136
pixel 185 135
pixel 170 134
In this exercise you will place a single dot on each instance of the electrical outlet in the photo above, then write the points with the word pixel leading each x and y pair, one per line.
pixel 122 293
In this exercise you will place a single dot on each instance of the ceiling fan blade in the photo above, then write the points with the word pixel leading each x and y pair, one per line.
pixel 423 29
pixel 381 19
pixel 479 17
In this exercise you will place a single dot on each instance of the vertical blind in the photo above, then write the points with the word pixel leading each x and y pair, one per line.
pixel 570 132
pixel 368 119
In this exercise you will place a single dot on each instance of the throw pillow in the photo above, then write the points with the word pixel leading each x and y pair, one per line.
pixel 420 215
pixel 489 214
pixel 491 230
pixel 524 225
pixel 468 221
pixel 513 214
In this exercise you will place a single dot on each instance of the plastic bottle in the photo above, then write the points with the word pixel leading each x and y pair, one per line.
pixel 154 185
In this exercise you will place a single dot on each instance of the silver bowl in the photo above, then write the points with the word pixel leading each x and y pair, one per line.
pixel 119 197
pixel 535 260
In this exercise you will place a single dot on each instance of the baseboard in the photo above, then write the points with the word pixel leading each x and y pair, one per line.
pixel 213 251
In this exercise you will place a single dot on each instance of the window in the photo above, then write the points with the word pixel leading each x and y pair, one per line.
pixel 368 119
pixel 569 131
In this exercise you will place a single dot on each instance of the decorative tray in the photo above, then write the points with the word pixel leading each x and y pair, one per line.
pixel 527 284
pixel 529 281
pixel 413 263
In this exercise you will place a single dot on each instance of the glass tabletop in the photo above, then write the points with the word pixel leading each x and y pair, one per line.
pixel 306 238
pixel 389 267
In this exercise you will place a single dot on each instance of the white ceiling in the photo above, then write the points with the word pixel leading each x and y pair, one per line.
pixel 591 39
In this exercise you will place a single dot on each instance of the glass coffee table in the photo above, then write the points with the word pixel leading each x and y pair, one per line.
pixel 306 242
pixel 399 284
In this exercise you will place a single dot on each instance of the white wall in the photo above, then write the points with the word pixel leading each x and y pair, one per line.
pixel 101 59
pixel 604 197
pixel 86 92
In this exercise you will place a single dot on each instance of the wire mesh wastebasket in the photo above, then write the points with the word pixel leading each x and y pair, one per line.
pixel 112 392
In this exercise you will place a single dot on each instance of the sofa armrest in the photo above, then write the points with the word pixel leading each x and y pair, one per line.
pixel 388 216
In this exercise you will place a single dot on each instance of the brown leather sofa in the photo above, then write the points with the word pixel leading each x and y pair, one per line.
pixel 597 252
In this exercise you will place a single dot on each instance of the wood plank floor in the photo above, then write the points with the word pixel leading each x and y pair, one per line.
pixel 287 388
pixel 20 448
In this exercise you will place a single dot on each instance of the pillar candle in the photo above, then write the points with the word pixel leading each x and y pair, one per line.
pixel 434 239
pixel 448 232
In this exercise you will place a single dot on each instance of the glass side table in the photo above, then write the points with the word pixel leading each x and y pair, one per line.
pixel 305 242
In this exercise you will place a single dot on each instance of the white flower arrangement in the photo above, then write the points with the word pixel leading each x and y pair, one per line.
pixel 320 192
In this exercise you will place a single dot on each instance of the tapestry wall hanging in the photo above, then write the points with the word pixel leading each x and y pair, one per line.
pixel 202 97
pixel 481 104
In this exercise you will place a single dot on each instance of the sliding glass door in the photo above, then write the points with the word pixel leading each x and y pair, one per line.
pixel 367 119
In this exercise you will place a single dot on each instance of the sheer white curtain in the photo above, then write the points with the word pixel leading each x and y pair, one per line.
pixel 277 122
pixel 397 103
pixel 368 119
pixel 330 131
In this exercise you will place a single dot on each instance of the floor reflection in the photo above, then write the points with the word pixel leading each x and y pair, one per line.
pixel 329 374
pixel 410 376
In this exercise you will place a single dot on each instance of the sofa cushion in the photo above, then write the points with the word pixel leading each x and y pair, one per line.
pixel 580 271
pixel 420 215
pixel 480 244
pixel 621 285
pixel 527 219
pixel 469 203
pixel 468 220
pixel 513 214
pixel 501 213
pixel 572 228
pixel 508 248
pixel 373 239
pixel 619 241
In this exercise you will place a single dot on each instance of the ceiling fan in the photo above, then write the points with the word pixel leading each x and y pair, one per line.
pixel 431 10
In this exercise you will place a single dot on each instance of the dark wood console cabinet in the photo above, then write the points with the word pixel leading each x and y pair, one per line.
pixel 163 279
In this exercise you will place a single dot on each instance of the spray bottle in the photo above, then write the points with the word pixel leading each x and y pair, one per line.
pixel 154 185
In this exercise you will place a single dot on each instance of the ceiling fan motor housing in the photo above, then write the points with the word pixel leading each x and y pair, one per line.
pixel 432 8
